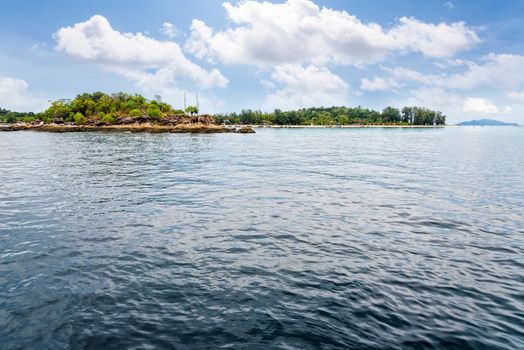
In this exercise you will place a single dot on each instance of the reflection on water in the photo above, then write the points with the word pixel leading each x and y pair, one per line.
pixel 286 239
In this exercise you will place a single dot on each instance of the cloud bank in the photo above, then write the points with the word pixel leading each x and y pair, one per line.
pixel 135 56
pixel 300 32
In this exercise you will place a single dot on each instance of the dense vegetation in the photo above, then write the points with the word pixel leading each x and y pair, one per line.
pixel 7 116
pixel 336 116
pixel 102 109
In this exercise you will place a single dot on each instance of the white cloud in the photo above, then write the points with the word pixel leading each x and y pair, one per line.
pixel 449 5
pixel 132 54
pixel 454 105
pixel 15 96
pixel 494 71
pixel 378 84
pixel 170 30
pixel 300 32
pixel 433 40
pixel 306 87
pixel 499 71
pixel 483 106
pixel 434 98
pixel 37 46
pixel 401 74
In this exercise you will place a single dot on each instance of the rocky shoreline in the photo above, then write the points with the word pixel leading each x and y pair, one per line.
pixel 201 128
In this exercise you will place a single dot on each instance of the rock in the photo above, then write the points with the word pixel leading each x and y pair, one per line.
pixel 58 121
pixel 245 130
pixel 125 121
pixel 205 119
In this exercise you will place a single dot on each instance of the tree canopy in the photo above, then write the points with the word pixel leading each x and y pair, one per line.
pixel 97 108
pixel 8 116
pixel 336 116
pixel 103 109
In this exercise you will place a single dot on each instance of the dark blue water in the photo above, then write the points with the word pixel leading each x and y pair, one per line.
pixel 286 239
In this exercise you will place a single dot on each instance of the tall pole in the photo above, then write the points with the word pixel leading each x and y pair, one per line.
pixel 185 102
pixel 197 103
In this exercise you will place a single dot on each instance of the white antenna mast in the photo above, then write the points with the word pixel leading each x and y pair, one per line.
pixel 197 103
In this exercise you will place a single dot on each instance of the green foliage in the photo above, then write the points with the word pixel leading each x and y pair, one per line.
pixel 92 108
pixel 154 111
pixel 130 105
pixel 165 108
pixel 391 115
pixel 109 119
pixel 58 110
pixel 7 116
pixel 106 108
pixel 135 113
pixel 80 119
pixel 192 110
pixel 336 116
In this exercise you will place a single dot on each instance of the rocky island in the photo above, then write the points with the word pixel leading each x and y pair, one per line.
pixel 116 112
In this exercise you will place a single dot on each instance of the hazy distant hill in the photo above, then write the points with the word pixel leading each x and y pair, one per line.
pixel 486 122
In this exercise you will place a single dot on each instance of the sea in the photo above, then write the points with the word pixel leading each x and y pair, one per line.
pixel 370 238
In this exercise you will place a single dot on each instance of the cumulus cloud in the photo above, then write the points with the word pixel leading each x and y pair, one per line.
pixel 493 71
pixel 456 106
pixel 496 70
pixel 170 30
pixel 482 106
pixel 133 55
pixel 306 87
pixel 308 38
pixel 300 32
pixel 449 5
pixel 15 95
pixel 378 84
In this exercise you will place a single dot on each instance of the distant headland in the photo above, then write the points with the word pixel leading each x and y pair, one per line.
pixel 486 122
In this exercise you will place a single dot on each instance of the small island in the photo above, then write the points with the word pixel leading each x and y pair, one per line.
pixel 116 112
pixel 486 122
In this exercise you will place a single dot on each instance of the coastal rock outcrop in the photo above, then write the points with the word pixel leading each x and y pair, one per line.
pixel 245 130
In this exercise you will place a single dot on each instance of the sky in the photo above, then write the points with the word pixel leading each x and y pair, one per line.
pixel 462 57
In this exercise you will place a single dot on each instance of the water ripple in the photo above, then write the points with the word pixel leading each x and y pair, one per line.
pixel 288 239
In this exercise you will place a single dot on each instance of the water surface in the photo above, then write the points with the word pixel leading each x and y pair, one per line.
pixel 286 239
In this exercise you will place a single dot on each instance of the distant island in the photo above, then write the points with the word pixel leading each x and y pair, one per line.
pixel 126 112
pixel 116 112
pixel 486 122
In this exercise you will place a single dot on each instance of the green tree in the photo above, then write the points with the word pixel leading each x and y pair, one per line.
pixel 109 119
pixel 192 110
pixel 391 115
pixel 135 113
pixel 154 111
pixel 80 119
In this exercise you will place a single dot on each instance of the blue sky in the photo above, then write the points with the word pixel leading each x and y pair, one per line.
pixel 465 58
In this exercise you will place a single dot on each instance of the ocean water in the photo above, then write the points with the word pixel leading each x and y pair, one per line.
pixel 285 239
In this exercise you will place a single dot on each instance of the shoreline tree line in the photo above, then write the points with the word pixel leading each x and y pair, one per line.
pixel 103 109
pixel 336 116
